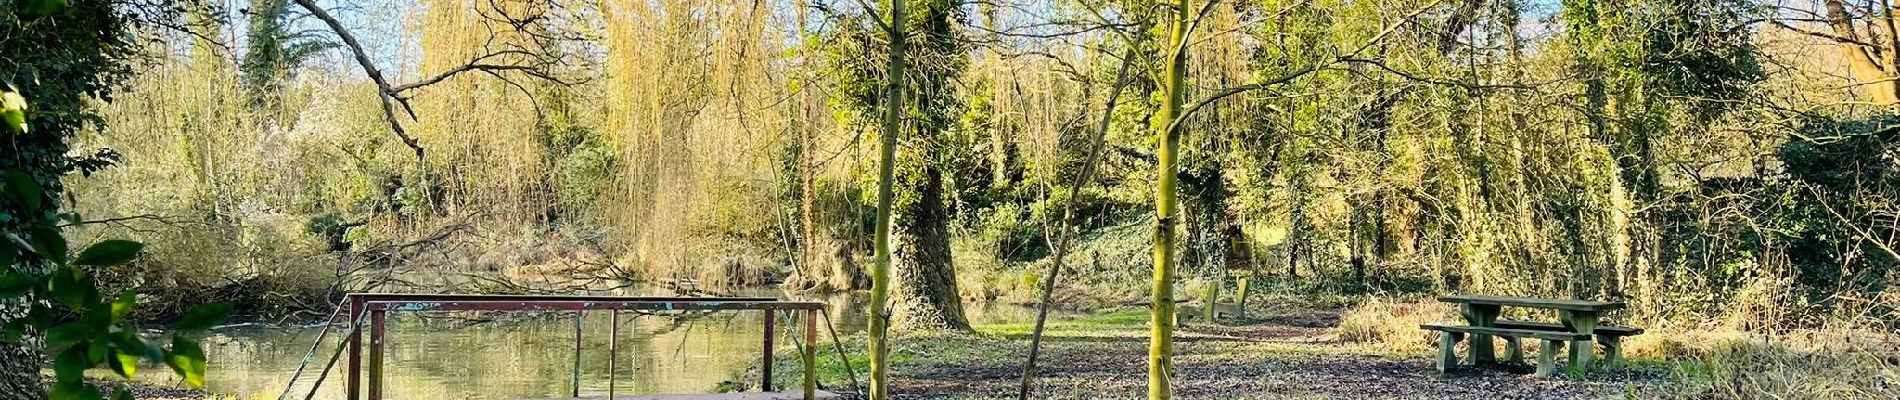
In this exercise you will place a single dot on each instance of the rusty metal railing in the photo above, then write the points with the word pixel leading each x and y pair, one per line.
pixel 376 307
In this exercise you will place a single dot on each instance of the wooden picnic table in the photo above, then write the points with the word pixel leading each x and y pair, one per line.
pixel 1579 316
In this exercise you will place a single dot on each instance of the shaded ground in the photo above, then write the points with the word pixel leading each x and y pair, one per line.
pixel 1286 355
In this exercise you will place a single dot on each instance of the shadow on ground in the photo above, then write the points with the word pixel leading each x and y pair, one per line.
pixel 1289 355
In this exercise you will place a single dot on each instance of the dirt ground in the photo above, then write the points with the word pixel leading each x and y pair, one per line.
pixel 1288 356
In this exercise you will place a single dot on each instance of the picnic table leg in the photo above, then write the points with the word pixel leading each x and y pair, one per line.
pixel 1612 349
pixel 1485 315
pixel 1513 350
pixel 1584 322
pixel 1547 358
pixel 1447 355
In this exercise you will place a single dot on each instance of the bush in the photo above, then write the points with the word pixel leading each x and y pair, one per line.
pixel 1392 324
pixel 1829 364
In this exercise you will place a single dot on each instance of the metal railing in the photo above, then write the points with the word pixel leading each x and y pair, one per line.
pixel 376 307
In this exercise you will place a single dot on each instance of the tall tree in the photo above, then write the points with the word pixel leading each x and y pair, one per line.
pixel 893 121
pixel 1867 40
pixel 272 53
pixel 1167 143
pixel 927 296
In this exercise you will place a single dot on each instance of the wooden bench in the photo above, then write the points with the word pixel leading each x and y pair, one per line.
pixel 1449 335
pixel 1610 337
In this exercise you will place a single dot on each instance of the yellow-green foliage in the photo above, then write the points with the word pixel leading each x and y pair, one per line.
pixel 1392 324
pixel 1824 364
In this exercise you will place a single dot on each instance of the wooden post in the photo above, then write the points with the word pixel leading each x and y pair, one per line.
pixel 765 379
pixel 376 322
pixel 613 353
pixel 811 354
pixel 1612 350
pixel 1447 355
pixel 579 317
pixel 1584 322
pixel 1513 349
pixel 353 383
pixel 1484 315
pixel 1547 358
pixel 1240 291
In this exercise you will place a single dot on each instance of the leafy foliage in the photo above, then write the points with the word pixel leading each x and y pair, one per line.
pixel 60 56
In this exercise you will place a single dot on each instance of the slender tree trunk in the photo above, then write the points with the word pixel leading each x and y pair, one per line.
pixel 815 275
pixel 887 158
pixel 1064 230
pixel 1161 318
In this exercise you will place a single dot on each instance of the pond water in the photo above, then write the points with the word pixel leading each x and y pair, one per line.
pixel 518 355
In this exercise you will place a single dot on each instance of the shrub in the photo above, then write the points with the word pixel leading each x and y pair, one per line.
pixel 1392 324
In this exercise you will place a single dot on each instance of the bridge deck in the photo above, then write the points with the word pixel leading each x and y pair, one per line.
pixel 789 395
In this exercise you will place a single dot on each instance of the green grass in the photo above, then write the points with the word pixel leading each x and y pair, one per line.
pixel 989 345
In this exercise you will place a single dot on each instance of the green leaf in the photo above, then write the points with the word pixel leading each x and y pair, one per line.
pixel 123 305
pixel 71 287
pixel 18 242
pixel 125 363
pixel 110 253
pixel 68 334
pixel 13 284
pixel 188 360
pixel 42 7
pixel 50 244
pixel 71 365
pixel 204 316
pixel 13 112
pixel 77 390
pixel 121 394
pixel 23 189
pixel 40 316
pixel 97 351
pixel 127 341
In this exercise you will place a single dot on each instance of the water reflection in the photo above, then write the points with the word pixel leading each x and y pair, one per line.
pixel 504 355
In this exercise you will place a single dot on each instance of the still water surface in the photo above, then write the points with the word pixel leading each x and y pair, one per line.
pixel 513 356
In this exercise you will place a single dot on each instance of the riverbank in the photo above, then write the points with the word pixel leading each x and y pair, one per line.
pixel 1286 350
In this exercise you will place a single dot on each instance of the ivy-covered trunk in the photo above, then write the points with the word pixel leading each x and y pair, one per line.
pixel 19 373
pixel 927 281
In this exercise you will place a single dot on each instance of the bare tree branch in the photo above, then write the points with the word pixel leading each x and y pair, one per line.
pixel 529 63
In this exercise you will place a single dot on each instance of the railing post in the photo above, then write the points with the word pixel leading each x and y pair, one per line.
pixel 613 353
pixel 811 354
pixel 771 319
pixel 578 317
pixel 353 384
pixel 376 327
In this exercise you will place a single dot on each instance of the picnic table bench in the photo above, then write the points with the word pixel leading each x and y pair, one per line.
pixel 1579 322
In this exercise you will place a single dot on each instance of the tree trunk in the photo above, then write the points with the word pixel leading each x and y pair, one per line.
pixel 1161 318
pixel 1876 74
pixel 927 296
pixel 887 154
pixel 19 373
